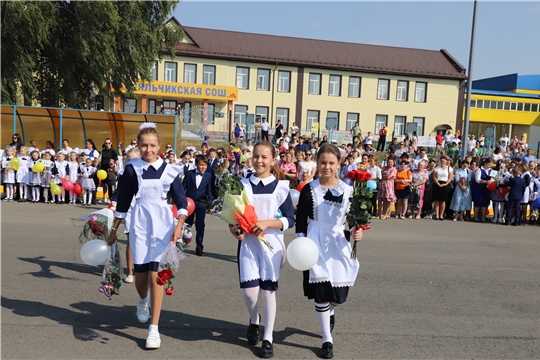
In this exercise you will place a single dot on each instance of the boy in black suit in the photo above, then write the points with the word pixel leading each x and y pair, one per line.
pixel 198 186
pixel 517 188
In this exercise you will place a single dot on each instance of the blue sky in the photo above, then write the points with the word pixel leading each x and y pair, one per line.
pixel 506 32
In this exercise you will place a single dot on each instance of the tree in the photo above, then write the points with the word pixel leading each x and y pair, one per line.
pixel 60 52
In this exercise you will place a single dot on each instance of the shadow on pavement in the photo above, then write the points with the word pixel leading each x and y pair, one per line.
pixel 46 265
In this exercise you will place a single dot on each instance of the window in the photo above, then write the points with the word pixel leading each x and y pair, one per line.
pixel 334 89
pixel 380 122
pixel 283 115
pixel 130 105
pixel 312 117
pixel 314 84
pixel 419 121
pixel 333 114
pixel 354 87
pixel 486 104
pixel 151 106
pixel 263 79
pixel 520 106
pixel 506 105
pixel 154 71
pixel 242 77
pixel 493 105
pixel 240 113
pixel 534 107
pixel 169 107
pixel 170 71
pixel 284 81
pixel 513 106
pixel 187 112
pixel 209 75
pixel 527 107
pixel 473 103
pixel 261 111
pixel 500 105
pixel 479 104
pixel 399 125
pixel 210 114
pixel 402 90
pixel 190 73
pixel 420 92
pixel 352 118
pixel 382 89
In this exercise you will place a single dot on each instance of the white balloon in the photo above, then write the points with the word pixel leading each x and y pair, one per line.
pixel 295 196
pixel 94 252
pixel 302 253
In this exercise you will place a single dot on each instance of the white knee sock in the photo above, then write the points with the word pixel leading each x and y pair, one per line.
pixel 23 192
pixel 9 191
pixel 332 308
pixel 46 194
pixel 269 310
pixel 63 198
pixel 89 197
pixel 323 314
pixel 251 297
pixel 35 193
pixel 495 211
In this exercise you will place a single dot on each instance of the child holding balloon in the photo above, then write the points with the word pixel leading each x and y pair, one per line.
pixel 34 176
pixel 72 174
pixel 23 174
pixel 47 174
pixel 321 215
pixel 146 182
pixel 88 185
pixel 59 172
pixel 9 173
pixel 259 266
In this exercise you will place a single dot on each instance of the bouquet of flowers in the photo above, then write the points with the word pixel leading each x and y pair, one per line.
pixel 463 180
pixel 227 184
pixel 187 237
pixel 112 274
pixel 169 266
pixel 358 215
pixel 95 228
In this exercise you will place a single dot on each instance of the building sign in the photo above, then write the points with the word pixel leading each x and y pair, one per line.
pixel 187 91
pixel 427 141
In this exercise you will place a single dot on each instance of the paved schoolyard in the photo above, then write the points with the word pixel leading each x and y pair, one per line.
pixel 426 289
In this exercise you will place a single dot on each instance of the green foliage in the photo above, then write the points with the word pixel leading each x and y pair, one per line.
pixel 60 52
pixel 360 205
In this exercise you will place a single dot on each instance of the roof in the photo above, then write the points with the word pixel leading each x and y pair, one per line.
pixel 283 50
pixel 504 93
pixel 509 82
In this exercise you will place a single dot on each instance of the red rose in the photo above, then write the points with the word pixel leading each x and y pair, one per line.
pixel 363 176
pixel 165 274
pixel 352 174
pixel 161 281
pixel 169 290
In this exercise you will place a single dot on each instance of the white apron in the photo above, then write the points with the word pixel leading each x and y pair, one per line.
pixel 22 173
pixel 152 223
pixel 255 260
pixel 327 230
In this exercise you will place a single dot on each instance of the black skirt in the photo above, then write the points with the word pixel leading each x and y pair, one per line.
pixel 440 193
pixel 324 292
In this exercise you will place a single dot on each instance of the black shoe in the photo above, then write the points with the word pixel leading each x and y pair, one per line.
pixel 327 350
pixel 332 322
pixel 199 253
pixel 514 224
pixel 253 334
pixel 267 349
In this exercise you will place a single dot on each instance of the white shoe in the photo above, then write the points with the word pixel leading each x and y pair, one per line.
pixel 128 279
pixel 153 341
pixel 143 313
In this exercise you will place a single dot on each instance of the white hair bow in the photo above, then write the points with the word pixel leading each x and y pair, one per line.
pixel 147 125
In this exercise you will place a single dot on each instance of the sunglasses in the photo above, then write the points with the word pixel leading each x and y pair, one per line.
pixel 134 143
pixel 308 154
pixel 107 143
pixel 169 147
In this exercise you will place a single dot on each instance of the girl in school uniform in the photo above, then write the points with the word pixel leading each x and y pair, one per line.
pixel 34 178
pixel 72 174
pixel 9 173
pixel 87 181
pixel 59 173
pixel 320 216
pixel 47 174
pixel 23 175
pixel 146 181
pixel 259 266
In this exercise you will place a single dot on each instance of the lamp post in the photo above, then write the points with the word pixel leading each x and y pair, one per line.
pixel 465 131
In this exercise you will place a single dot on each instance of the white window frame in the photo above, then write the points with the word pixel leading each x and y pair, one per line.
pixel 171 73
pixel 352 118
pixel 420 93
pixel 379 123
pixel 190 73
pixel 130 105
pixel 209 75
pixel 242 79
pixel 263 113
pixel 283 115
pixel 402 91
pixel 354 92
pixel 154 71
pixel 284 81
pixel 151 107
pixel 400 123
pixel 334 85
pixel 313 116
pixel 210 118
pixel 187 106
pixel 263 79
pixel 383 89
pixel 240 117
pixel 314 84
pixel 171 108
pixel 420 123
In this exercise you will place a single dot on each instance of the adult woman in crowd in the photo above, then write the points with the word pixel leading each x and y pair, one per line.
pixel 299 158
pixel 307 167
pixel 16 142
pixel 480 192
pixel 289 169
pixel 364 164
pixel 526 200
pixel 324 140
pixel 462 198
pixel 65 146
pixel 442 177
pixel 386 192
pixel 497 154
pixel 414 140
pixel 403 180
pixel 376 175
pixel 419 179
pixel 427 203
pixel 91 150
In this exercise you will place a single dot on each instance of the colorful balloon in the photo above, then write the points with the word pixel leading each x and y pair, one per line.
pixel 487 212
pixel 300 186
pixel 94 252
pixel 190 206
pixel 503 191
pixel 371 185
pixel 302 253
pixel 491 186
pixel 536 203
pixel 295 196
pixel 14 163
pixel 77 189
pixel 67 184
pixel 55 189
pixel 38 167
pixel 175 211
pixel 101 174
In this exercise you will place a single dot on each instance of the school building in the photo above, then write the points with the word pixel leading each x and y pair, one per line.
pixel 509 104
pixel 219 78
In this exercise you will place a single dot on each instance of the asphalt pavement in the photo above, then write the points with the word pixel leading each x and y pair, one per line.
pixel 426 290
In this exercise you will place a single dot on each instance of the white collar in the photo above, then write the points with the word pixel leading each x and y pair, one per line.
pixel 255 180
pixel 156 164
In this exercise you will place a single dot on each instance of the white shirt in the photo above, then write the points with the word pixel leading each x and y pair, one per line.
pixel 198 179
pixel 264 126
pixel 444 174
pixel 503 141
pixel 368 140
